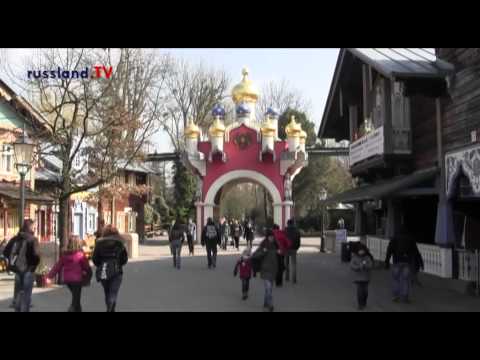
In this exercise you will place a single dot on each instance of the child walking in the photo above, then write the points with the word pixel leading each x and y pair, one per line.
pixel 361 265
pixel 245 266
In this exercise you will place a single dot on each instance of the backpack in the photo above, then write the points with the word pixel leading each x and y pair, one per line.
pixel 17 261
pixel 109 267
pixel 211 232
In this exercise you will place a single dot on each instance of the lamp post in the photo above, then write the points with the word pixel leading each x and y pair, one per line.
pixel 322 196
pixel 23 152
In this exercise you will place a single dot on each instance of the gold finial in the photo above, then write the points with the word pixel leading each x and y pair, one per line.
pixel 217 129
pixel 192 131
pixel 268 128
pixel 245 90
pixel 293 129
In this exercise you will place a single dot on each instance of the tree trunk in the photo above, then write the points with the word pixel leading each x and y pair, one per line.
pixel 63 221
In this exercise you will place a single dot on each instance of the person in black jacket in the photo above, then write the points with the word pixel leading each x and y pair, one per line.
pixel 177 238
pixel 211 238
pixel 294 236
pixel 405 254
pixel 109 256
pixel 24 278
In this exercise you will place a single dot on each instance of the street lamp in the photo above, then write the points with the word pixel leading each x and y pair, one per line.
pixel 322 196
pixel 23 152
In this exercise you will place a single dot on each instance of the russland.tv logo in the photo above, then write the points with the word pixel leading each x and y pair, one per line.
pixel 96 72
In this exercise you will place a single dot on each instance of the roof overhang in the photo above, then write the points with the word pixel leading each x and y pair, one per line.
pixel 400 186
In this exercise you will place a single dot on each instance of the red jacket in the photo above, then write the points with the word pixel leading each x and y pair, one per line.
pixel 74 265
pixel 283 241
pixel 245 268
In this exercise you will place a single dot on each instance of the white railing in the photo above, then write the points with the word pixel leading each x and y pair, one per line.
pixel 469 267
pixel 378 247
pixel 437 260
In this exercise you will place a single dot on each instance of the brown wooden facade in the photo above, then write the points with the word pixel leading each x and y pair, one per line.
pixel 402 124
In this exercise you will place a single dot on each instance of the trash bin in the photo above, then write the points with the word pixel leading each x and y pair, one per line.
pixel 345 254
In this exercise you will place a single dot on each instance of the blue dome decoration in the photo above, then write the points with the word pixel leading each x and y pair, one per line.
pixel 243 109
pixel 218 110
pixel 272 112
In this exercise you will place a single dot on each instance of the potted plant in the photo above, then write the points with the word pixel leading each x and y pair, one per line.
pixel 41 276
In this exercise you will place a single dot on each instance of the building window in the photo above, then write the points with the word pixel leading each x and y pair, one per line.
pixel 6 163
pixel 91 222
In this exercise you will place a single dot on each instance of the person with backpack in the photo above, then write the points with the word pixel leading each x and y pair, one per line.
pixel 176 238
pixel 23 259
pixel 283 245
pixel 110 256
pixel 404 251
pixel 244 266
pixel 210 239
pixel 76 271
pixel 237 232
pixel 291 257
pixel 265 260
pixel 361 265
pixel 249 234
pixel 191 236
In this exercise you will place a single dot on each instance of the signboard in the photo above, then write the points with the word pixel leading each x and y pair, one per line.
pixel 369 145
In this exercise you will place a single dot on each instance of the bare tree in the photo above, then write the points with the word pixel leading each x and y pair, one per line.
pixel 96 126
pixel 280 95
pixel 192 93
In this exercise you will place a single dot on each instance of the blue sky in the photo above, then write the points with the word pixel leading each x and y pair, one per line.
pixel 310 71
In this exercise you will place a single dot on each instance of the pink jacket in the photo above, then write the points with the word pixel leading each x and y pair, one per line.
pixel 74 265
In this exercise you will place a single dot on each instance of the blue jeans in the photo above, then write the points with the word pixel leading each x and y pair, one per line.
pixel 268 302
pixel 23 298
pixel 111 288
pixel 176 248
pixel 401 274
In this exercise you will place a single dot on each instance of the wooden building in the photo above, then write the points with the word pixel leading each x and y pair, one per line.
pixel 16 114
pixel 411 116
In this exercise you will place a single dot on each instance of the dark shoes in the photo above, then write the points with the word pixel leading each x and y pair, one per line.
pixel 244 297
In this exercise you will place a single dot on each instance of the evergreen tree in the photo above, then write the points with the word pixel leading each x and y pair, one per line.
pixel 184 191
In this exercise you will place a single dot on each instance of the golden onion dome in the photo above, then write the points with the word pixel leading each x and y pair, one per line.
pixel 192 131
pixel 293 129
pixel 217 129
pixel 268 128
pixel 303 137
pixel 245 90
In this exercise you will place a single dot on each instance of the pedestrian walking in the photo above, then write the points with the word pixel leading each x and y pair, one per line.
pixel 265 259
pixel 283 245
pixel 191 236
pixel 223 228
pixel 110 256
pixel 249 234
pixel 244 267
pixel 404 251
pixel 293 234
pixel 23 259
pixel 237 232
pixel 176 238
pixel 361 265
pixel 74 266
pixel 210 239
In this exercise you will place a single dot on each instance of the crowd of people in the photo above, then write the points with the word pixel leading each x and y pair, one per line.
pixel 274 259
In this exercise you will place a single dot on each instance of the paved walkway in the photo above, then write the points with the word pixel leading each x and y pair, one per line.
pixel 152 284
